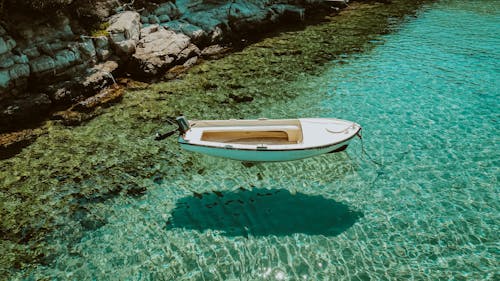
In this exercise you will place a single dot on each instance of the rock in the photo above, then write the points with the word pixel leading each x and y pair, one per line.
pixel 96 10
pixel 28 34
pixel 190 62
pixel 175 71
pixel 66 58
pixel 131 84
pixel 126 47
pixel 42 64
pixel 104 8
pixel 153 65
pixel 20 59
pixel 4 80
pixel 214 51
pixel 163 18
pixel 241 98
pixel 11 43
pixel 104 98
pixel 71 73
pixel 217 35
pixel 152 19
pixel 159 48
pixel 149 29
pixel 99 76
pixel 289 12
pixel 12 143
pixel 51 48
pixel 24 109
pixel 87 49
pixel 31 52
pixel 102 48
pixel 57 46
pixel 190 51
pixel 65 32
pixel 71 118
pixel 103 55
pixel 4 48
pixel 19 71
pixel 45 49
pixel 62 95
pixel 167 9
pixel 160 41
pixel 87 109
pixel 92 222
pixel 243 15
pixel 6 60
pixel 208 20
pixel 101 42
pixel 124 31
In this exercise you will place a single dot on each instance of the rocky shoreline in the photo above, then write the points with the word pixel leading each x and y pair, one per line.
pixel 49 62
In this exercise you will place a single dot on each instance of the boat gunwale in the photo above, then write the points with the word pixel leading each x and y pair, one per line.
pixel 230 147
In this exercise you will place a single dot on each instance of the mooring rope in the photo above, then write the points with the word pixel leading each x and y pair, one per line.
pixel 363 150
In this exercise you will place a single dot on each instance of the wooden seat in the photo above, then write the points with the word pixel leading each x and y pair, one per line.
pixel 253 134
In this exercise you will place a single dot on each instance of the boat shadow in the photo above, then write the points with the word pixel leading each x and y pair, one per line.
pixel 262 212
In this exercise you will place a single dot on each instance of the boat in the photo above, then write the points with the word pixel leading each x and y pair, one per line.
pixel 266 140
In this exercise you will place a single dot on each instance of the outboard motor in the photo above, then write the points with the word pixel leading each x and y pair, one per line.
pixel 183 124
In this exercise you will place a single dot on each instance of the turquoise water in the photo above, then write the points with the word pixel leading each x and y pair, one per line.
pixel 423 203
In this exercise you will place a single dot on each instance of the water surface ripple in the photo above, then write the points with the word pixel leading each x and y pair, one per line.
pixel 425 208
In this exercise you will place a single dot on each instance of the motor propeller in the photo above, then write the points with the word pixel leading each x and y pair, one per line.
pixel 181 122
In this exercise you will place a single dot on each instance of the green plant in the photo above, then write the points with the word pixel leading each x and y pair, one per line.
pixel 101 30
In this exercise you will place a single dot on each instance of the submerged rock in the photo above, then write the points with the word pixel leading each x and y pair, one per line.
pixel 241 98
pixel 12 143
pixel 104 98
pixel 21 110
pixel 87 109
pixel 71 118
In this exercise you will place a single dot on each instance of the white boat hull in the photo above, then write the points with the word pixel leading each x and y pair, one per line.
pixel 263 155
pixel 268 140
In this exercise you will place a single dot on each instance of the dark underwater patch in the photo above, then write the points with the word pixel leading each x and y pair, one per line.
pixel 261 212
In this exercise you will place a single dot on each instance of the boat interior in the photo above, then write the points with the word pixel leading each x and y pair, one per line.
pixel 256 132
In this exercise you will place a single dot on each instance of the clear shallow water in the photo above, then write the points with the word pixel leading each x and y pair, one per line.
pixel 427 97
